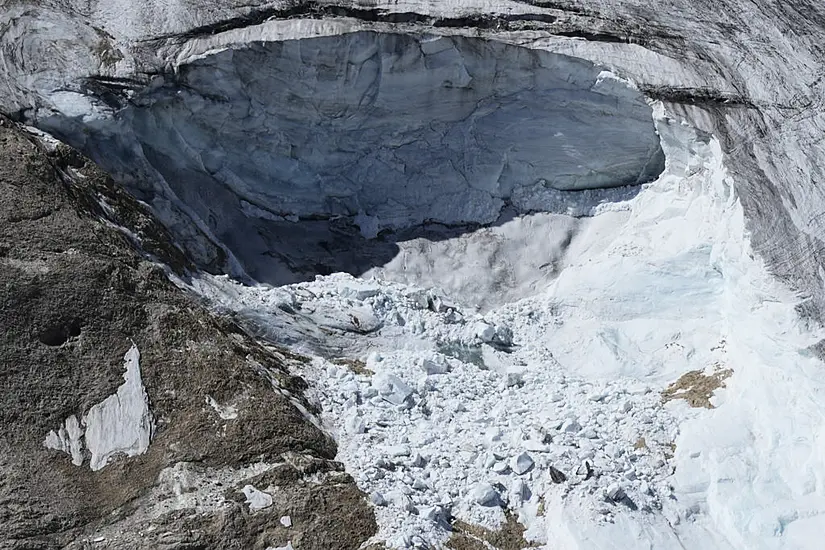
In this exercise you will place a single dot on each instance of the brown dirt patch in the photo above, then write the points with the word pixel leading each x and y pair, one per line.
pixel 510 536
pixel 357 366
pixel 696 387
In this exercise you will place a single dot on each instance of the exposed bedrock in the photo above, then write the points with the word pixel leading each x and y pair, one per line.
pixel 390 129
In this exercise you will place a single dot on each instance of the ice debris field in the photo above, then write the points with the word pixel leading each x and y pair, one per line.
pixel 569 406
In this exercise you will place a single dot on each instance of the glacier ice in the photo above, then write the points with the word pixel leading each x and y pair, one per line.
pixel 388 129
pixel 661 280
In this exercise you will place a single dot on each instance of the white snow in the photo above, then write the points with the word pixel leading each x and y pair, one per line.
pixel 567 381
pixel 226 412
pixel 120 424
pixel 257 500
pixel 68 438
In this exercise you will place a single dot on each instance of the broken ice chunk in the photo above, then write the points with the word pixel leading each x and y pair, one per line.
pixel 418 461
pixel 419 485
pixel 491 436
pixel 571 426
pixel 391 388
pixel 434 366
pixel 519 491
pixel 515 380
pixel 504 336
pixel 363 319
pixel 355 425
pixel 615 492
pixel 398 450
pixel 484 332
pixel 521 464
pixel 256 499
pixel 360 293
pixel 484 494
pixel 432 513
pixel 378 499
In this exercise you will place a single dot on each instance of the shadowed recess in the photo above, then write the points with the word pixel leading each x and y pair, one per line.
pixel 388 131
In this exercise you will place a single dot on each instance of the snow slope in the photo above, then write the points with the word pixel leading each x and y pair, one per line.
pixel 647 290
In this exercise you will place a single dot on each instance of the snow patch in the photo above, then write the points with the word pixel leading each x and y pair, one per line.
pixel 120 424
pixel 257 500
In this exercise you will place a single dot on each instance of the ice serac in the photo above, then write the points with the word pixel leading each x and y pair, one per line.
pixel 120 424
pixel 392 129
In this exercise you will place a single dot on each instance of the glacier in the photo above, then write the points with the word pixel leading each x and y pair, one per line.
pixel 388 130
pixel 548 214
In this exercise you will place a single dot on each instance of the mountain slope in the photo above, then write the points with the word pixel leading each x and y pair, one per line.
pixel 76 297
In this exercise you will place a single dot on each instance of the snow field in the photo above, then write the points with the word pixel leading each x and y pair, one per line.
pixel 550 405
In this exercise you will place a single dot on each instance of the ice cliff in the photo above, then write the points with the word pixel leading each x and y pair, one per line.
pixel 392 128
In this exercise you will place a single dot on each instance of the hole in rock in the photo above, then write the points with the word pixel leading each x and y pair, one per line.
pixel 325 154
pixel 60 333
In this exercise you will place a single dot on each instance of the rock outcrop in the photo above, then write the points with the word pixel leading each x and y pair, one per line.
pixel 77 296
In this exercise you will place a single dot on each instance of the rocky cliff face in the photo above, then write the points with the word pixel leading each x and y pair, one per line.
pixel 222 412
